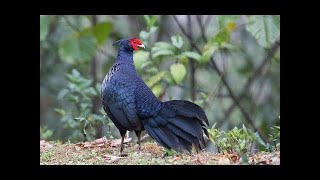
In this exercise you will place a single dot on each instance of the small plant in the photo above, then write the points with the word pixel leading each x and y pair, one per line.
pixel 238 140
pixel 168 152
pixel 46 156
pixel 275 138
pixel 45 133
pixel 79 117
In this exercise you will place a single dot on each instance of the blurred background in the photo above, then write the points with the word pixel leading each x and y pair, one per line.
pixel 229 65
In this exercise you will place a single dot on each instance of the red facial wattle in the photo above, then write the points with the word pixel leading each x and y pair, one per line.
pixel 136 43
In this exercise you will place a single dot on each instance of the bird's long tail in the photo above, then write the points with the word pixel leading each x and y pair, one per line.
pixel 179 125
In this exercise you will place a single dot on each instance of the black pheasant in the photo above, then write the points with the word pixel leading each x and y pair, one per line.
pixel 132 106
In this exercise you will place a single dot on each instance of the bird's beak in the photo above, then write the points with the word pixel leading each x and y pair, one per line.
pixel 141 46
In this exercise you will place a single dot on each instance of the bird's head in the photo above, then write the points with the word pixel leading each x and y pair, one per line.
pixel 129 43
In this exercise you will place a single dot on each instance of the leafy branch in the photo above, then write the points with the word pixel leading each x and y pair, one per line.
pixel 213 65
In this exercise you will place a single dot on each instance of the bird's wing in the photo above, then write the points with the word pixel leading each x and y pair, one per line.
pixel 121 102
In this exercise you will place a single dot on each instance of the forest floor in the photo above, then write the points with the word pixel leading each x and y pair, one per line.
pixel 106 152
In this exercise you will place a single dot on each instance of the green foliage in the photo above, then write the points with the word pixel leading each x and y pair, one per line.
pixel 100 31
pixel 178 72
pixel 162 49
pixel 239 140
pixel 193 55
pixel 82 44
pixel 209 50
pixel 44 27
pixel 77 48
pixel 226 21
pixel 146 62
pixel 155 79
pixel 150 20
pixel 177 41
pixel 141 59
pixel 275 138
pixel 266 29
pixel 80 119
pixel 46 156
pixel 221 40
pixel 169 153
pixel 45 133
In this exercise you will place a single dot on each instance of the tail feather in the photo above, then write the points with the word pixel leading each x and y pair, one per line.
pixel 189 109
pixel 153 133
pixel 186 139
pixel 179 125
pixel 187 125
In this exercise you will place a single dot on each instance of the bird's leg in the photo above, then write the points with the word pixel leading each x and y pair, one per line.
pixel 138 133
pixel 121 148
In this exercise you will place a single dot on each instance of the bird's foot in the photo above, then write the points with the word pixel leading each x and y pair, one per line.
pixel 123 154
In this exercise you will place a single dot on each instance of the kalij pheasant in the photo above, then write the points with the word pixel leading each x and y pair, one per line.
pixel 132 106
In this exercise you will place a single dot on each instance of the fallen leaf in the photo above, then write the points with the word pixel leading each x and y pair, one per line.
pixel 224 161
pixel 176 158
pixel 234 158
pixel 96 143
pixel 262 162
pixel 275 160
pixel 116 143
pixel 111 159
pixel 77 148
pixel 99 141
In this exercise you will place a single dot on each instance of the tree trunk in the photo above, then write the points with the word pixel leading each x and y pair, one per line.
pixel 95 100
pixel 193 81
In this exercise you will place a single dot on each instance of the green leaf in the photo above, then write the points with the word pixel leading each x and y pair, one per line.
pixel 162 49
pixel 244 128
pixel 153 29
pixel 162 45
pixel 75 73
pixel 90 91
pixel 73 98
pixel 102 31
pixel 151 70
pixel 213 126
pixel 98 87
pixel 61 112
pixel 242 144
pixel 155 79
pixel 223 36
pixel 151 20
pixel 44 26
pixel 163 52
pixel 77 48
pixel 177 41
pixel 265 29
pixel 62 93
pixel 259 140
pixel 144 35
pixel 168 78
pixel 223 20
pixel 243 136
pixel 140 57
pixel 192 55
pixel 157 89
pixel 178 72
pixel 245 159
pixel 207 53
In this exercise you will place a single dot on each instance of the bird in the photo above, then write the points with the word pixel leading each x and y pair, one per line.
pixel 132 106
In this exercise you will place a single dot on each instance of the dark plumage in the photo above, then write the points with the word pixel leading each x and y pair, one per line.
pixel 132 106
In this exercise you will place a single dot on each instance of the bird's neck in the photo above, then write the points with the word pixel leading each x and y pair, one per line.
pixel 125 56
pixel 125 62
